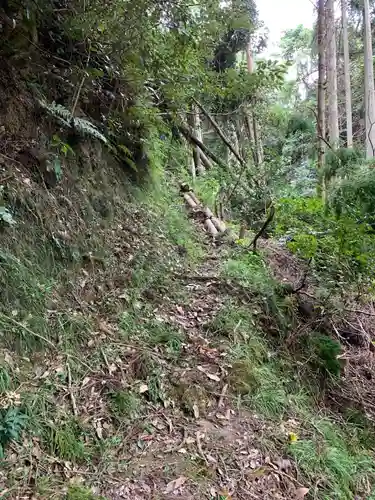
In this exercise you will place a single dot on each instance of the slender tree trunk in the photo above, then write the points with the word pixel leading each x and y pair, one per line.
pixel 250 133
pixel 321 122
pixel 249 58
pixel 197 130
pixel 252 123
pixel 348 90
pixel 258 141
pixel 369 84
pixel 333 118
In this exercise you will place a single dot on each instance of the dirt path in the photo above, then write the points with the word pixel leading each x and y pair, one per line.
pixel 202 445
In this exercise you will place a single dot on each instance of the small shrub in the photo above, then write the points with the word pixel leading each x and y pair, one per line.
pixel 326 351
pixel 5 380
pixel 66 442
pixel 12 423
pixel 125 404
pixel 76 492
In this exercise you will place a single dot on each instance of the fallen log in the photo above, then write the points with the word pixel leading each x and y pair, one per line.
pixel 212 224
pixel 210 228
pixel 193 197
pixel 207 212
pixel 219 224
pixel 189 200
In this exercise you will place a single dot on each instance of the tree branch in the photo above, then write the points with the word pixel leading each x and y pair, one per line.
pixel 194 139
pixel 263 228
pixel 220 132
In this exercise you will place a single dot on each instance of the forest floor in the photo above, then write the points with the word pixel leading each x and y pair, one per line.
pixel 159 371
pixel 205 443
pixel 140 360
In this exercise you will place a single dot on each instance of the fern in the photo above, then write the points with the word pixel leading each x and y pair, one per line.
pixel 64 117
pixel 12 423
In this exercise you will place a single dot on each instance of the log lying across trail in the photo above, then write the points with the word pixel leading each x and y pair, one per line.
pixel 212 224
pixel 215 226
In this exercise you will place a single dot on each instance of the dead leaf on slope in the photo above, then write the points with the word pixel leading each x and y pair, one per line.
pixel 175 484
pixel 143 388
pixel 301 493
pixel 209 375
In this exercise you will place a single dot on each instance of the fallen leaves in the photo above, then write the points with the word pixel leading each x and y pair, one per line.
pixel 175 484
pixel 301 493
pixel 143 388
pixel 196 410
pixel 211 376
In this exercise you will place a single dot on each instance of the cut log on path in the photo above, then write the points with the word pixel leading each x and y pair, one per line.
pixel 219 224
pixel 210 227
pixel 189 200
pixel 212 224
pixel 193 197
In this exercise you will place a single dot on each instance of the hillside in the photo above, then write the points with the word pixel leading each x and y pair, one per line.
pixel 183 313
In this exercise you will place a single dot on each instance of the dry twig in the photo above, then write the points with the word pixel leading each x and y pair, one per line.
pixel 200 449
pixel 71 394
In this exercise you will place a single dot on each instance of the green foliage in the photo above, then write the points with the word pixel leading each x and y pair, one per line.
pixel 326 352
pixel 66 441
pixel 289 149
pixel 26 288
pixel 297 42
pixel 153 332
pixel 12 422
pixel 342 248
pixel 76 492
pixel 79 125
pixel 5 380
pixel 249 271
pixel 334 457
pixel 54 165
pixel 125 405
pixel 328 450
pixel 299 123
pixel 342 162
pixel 354 194
pixel 6 217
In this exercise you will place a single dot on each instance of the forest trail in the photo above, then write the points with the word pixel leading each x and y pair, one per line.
pixel 203 444
pixel 145 351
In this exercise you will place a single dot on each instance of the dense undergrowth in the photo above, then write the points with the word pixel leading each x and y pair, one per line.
pixel 332 451
pixel 124 327
pixel 97 327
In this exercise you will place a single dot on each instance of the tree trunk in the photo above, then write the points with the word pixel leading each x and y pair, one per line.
pixel 369 84
pixel 250 133
pixel 321 121
pixel 221 134
pixel 198 132
pixel 252 123
pixel 333 119
pixel 194 120
pixel 257 141
pixel 348 90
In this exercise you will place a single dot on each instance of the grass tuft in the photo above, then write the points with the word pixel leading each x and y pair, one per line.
pixel 125 405
pixel 66 441
pixel 76 492
pixel 334 458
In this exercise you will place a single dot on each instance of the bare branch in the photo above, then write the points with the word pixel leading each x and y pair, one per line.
pixel 220 133
pixel 263 228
